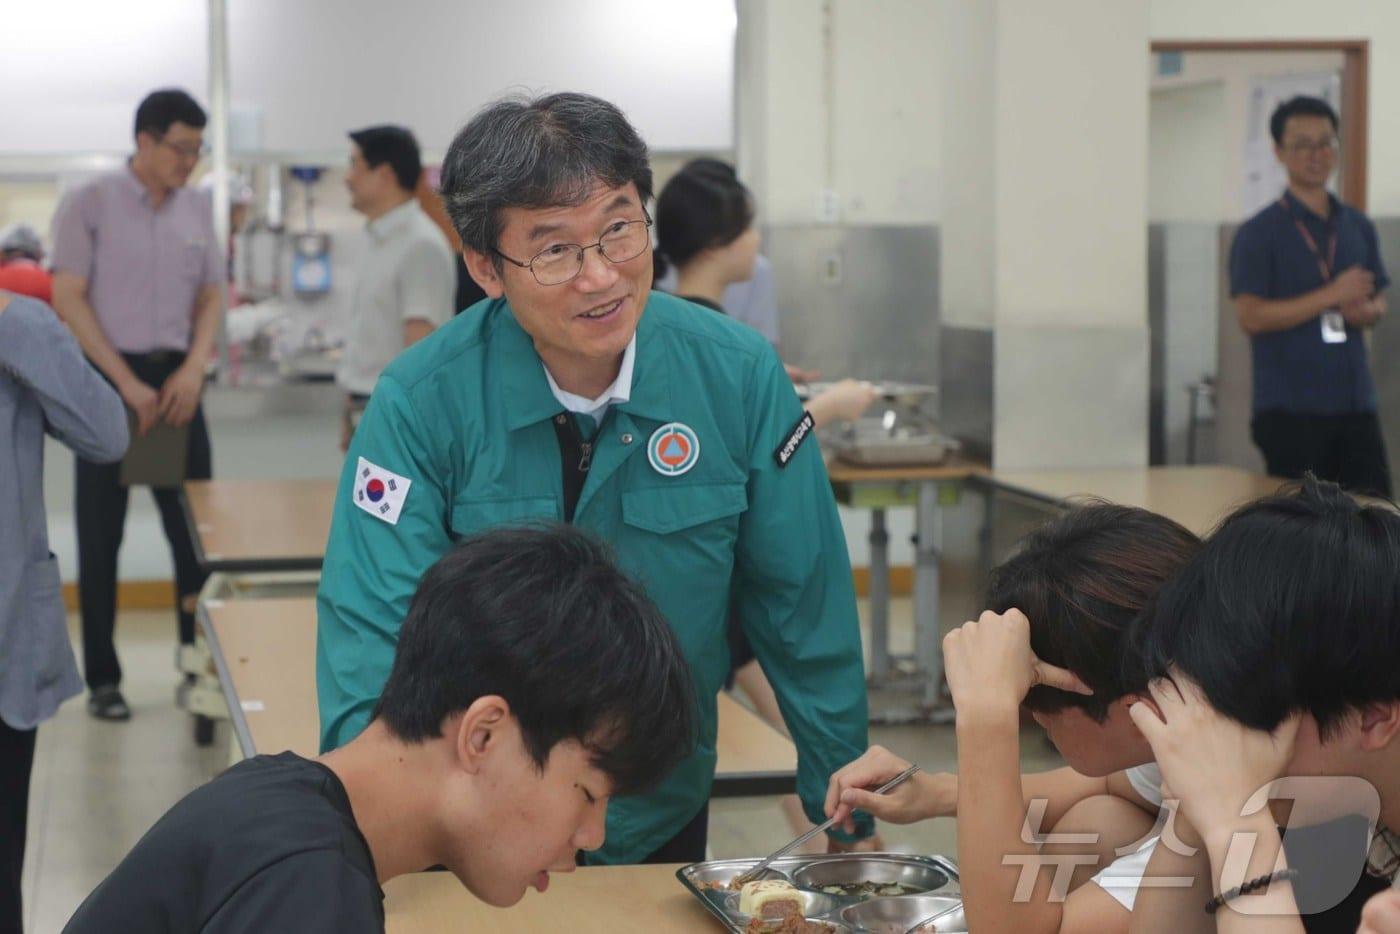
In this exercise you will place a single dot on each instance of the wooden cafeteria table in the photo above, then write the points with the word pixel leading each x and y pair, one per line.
pixel 259 525
pixel 927 489
pixel 1198 497
pixel 265 652
pixel 598 900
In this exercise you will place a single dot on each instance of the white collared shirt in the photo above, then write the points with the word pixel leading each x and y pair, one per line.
pixel 407 272
pixel 619 391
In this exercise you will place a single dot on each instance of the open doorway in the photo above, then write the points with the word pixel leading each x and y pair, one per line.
pixel 1210 167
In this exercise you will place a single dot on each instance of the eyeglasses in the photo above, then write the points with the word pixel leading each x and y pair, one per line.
pixel 563 262
pixel 186 150
pixel 1330 144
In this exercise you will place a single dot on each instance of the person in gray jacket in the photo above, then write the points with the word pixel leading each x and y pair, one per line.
pixel 46 386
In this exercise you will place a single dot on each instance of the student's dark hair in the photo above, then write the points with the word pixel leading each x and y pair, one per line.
pixel 395 145
pixel 703 205
pixel 162 108
pixel 1292 605
pixel 542 617
pixel 537 153
pixel 1300 106
pixel 1081 579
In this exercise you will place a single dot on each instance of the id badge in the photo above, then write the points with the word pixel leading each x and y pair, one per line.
pixel 1334 327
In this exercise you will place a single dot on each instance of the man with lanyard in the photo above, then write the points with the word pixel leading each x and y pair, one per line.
pixel 576 393
pixel 1306 276
pixel 137 277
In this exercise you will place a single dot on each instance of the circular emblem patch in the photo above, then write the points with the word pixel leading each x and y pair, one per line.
pixel 673 449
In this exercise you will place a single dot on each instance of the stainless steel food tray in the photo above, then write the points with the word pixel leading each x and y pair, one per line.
pixel 802 871
pixel 911 450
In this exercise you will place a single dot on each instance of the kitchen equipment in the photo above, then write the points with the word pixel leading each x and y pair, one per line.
pixel 899 430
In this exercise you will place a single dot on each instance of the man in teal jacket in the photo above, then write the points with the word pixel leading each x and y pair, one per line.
pixel 574 393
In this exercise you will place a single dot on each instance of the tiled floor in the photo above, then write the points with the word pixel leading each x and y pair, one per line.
pixel 97 787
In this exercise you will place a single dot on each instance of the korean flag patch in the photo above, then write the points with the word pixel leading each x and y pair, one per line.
pixel 380 492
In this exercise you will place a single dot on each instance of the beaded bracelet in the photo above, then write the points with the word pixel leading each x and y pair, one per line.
pixel 1282 875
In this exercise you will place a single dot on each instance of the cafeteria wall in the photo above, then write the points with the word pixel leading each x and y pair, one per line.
pixel 1035 168
pixel 300 73
pixel 840 110
pixel 1069 148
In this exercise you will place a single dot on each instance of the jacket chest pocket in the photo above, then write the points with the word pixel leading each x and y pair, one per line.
pixel 712 509
pixel 472 516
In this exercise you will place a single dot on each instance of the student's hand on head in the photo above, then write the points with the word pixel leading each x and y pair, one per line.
pixel 990 666
pixel 1211 763
pixel 1381 914
pixel 853 786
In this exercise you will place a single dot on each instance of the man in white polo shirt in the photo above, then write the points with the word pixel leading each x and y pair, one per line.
pixel 406 280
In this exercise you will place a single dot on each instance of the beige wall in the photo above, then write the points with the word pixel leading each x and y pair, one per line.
pixel 967 50
pixel 1018 126
pixel 1071 162
pixel 843 96
pixel 29 202
pixel 1188 162
pixel 1071 233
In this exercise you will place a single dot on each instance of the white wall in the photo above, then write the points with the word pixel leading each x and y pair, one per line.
pixel 1376 20
pixel 1188 161
pixel 1028 121
pixel 1071 233
pixel 887 112
pixel 857 110
pixel 306 71
pixel 76 69
pixel 1071 162
pixel 966 48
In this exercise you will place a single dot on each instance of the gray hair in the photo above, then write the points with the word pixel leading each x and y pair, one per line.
pixel 21 240
pixel 534 153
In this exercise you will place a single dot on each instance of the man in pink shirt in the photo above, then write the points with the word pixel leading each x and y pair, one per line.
pixel 137 270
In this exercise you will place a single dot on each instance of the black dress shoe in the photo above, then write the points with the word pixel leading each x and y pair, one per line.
pixel 107 703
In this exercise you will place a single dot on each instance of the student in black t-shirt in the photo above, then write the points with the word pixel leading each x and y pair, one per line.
pixel 1273 655
pixel 532 682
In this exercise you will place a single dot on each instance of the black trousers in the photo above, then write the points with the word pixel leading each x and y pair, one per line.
pixel 1346 449
pixel 16 762
pixel 100 504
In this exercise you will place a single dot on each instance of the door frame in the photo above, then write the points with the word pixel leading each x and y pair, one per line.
pixel 1356 79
